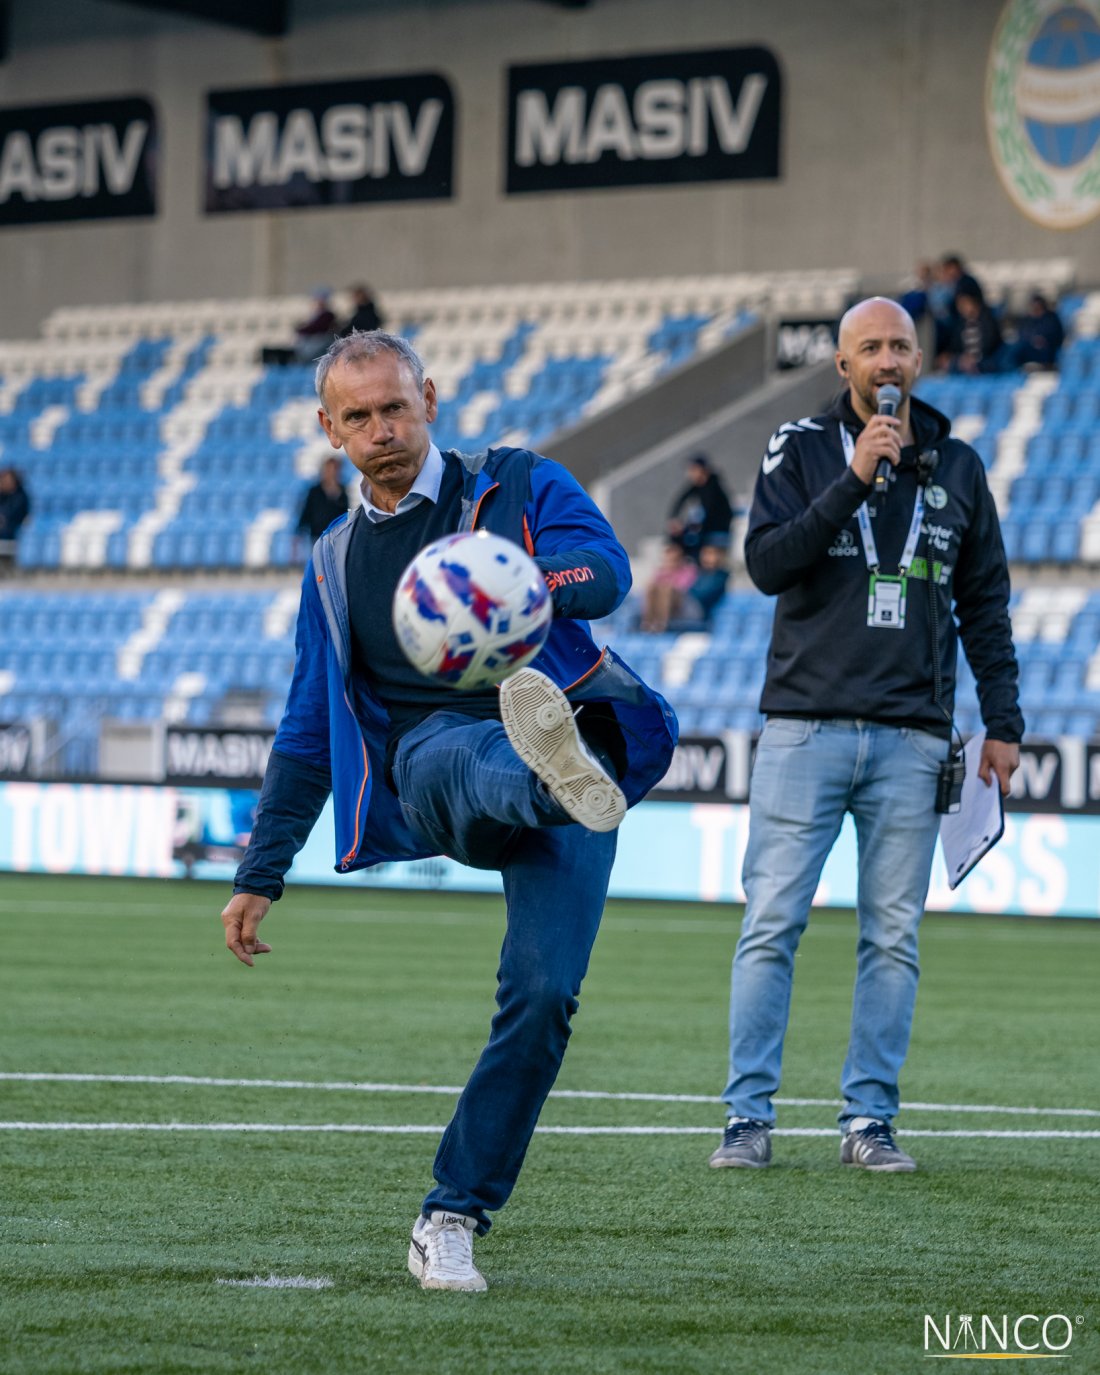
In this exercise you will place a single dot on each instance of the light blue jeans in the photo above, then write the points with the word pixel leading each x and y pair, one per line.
pixel 807 774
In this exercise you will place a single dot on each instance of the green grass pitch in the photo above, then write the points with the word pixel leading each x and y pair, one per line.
pixel 617 1253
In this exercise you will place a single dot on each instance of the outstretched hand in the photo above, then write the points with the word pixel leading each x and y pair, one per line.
pixel 241 919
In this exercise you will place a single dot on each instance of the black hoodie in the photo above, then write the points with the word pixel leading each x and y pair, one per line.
pixel 804 546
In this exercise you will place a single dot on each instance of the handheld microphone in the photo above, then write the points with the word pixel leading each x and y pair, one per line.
pixel 889 399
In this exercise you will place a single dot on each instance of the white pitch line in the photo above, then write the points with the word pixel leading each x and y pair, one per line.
pixel 374 1129
pixel 279 1282
pixel 385 915
pixel 453 1090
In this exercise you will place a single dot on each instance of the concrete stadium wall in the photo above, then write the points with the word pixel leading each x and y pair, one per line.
pixel 884 153
pixel 637 495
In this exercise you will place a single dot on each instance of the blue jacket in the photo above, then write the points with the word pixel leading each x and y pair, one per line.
pixel 334 729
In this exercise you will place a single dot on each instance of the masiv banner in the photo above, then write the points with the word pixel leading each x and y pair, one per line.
pixel 216 755
pixel 710 115
pixel 87 160
pixel 1054 776
pixel 332 143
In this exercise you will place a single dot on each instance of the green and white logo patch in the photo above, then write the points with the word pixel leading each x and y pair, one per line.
pixel 936 497
pixel 1043 109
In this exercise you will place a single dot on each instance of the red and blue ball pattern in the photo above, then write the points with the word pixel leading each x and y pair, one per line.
pixel 471 609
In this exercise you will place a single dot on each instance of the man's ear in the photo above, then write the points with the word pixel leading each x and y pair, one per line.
pixel 431 402
pixel 326 425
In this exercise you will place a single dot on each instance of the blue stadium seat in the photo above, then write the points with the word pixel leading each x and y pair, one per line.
pixel 1035 541
pixel 1065 542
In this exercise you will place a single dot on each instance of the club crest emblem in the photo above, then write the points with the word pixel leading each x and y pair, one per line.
pixel 936 498
pixel 1043 109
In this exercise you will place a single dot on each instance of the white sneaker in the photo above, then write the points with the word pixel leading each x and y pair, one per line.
pixel 543 731
pixel 441 1253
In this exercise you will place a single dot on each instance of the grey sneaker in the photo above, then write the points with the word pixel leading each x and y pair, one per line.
pixel 873 1148
pixel 746 1144
pixel 543 731
pixel 441 1253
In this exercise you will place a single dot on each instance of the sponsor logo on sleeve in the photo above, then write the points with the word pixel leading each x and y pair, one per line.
pixel 774 456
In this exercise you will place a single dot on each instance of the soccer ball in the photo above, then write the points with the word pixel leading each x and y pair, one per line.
pixel 471 609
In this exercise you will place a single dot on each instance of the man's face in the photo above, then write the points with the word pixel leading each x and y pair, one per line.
pixel 380 419
pixel 879 345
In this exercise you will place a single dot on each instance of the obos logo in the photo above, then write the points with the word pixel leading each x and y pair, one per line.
pixel 991 1337
pixel 844 546
pixel 1043 109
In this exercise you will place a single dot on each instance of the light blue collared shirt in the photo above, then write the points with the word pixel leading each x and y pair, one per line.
pixel 427 484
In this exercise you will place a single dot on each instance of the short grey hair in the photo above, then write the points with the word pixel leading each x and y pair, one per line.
pixel 363 344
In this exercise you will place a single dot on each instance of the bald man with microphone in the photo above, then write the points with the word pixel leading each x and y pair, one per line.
pixel 875 530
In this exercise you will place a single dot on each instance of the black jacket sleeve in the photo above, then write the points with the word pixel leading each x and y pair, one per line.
pixel 788 533
pixel 982 589
pixel 291 800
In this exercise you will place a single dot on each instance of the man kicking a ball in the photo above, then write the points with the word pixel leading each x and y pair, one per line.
pixel 507 779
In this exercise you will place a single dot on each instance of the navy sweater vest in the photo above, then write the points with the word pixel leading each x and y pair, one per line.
pixel 378 554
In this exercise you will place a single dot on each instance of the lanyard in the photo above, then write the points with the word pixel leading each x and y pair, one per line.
pixel 867 535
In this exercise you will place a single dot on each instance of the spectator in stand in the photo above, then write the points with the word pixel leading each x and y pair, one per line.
pixel 314 335
pixel 311 337
pixel 701 513
pixel 323 502
pixel 955 280
pixel 665 593
pixel 975 345
pixel 916 299
pixel 364 314
pixel 709 587
pixel 1039 336
pixel 15 506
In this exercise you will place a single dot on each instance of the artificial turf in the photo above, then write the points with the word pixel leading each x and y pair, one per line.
pixel 617 1252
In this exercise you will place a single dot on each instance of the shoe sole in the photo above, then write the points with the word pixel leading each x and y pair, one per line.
pixel 716 1163
pixel 879 1169
pixel 540 724
pixel 416 1268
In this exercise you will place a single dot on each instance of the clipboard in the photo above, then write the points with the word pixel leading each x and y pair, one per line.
pixel 972 831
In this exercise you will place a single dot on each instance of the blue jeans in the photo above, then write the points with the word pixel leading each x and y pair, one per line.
pixel 467 793
pixel 807 774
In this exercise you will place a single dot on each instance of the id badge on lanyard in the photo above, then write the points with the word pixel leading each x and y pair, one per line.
pixel 886 594
pixel 886 602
